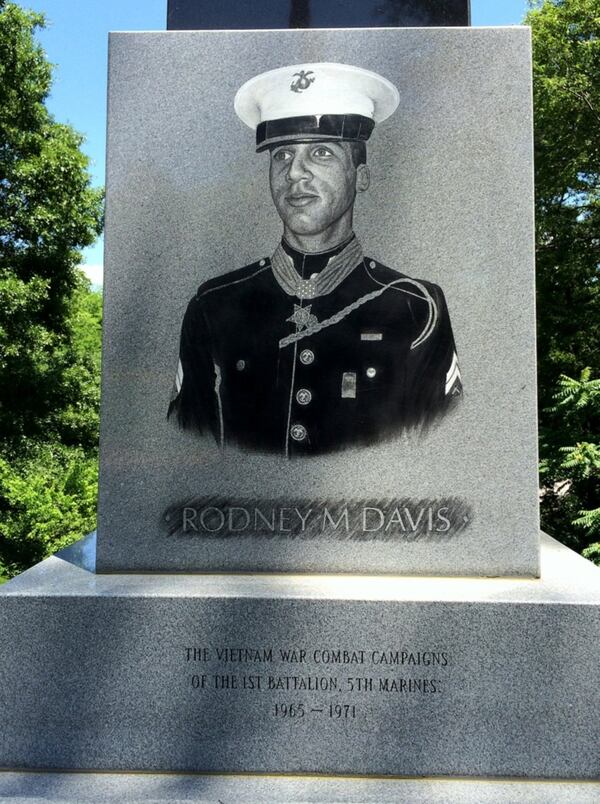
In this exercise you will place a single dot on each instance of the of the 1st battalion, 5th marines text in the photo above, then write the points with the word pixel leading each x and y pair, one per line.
pixel 311 682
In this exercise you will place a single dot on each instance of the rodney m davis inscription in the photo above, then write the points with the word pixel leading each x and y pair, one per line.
pixel 379 520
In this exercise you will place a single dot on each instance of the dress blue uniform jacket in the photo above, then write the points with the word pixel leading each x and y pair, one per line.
pixel 305 354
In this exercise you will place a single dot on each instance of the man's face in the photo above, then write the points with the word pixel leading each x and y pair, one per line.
pixel 313 184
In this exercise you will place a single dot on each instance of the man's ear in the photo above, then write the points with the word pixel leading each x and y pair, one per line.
pixel 363 178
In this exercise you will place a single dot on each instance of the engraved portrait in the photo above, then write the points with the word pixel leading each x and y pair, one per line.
pixel 315 346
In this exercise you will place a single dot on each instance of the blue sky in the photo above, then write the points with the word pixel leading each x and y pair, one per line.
pixel 75 40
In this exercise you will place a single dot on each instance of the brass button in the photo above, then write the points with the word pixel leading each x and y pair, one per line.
pixel 240 365
pixel 307 356
pixel 298 432
pixel 303 396
pixel 371 372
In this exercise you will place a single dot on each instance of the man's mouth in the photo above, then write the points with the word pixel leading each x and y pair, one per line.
pixel 301 199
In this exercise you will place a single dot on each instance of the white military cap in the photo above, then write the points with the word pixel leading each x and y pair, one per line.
pixel 323 101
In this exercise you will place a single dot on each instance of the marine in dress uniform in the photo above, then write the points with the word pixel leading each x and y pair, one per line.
pixel 316 347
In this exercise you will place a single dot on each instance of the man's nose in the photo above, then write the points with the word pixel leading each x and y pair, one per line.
pixel 298 168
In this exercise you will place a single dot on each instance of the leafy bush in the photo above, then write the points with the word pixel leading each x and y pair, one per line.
pixel 47 500
pixel 570 472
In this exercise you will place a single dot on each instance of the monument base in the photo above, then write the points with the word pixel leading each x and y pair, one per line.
pixel 338 675
pixel 106 788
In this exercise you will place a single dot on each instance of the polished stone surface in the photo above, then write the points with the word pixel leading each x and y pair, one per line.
pixel 54 577
pixel 450 201
pixel 302 674
pixel 238 14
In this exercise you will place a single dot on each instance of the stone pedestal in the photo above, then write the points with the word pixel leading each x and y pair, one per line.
pixel 115 788
pixel 341 675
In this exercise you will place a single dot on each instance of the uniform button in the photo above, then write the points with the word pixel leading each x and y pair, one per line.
pixel 262 263
pixel 372 264
pixel 307 356
pixel 371 372
pixel 240 365
pixel 298 432
pixel 303 396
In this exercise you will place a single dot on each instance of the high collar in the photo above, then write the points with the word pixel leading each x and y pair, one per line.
pixel 304 279
pixel 308 263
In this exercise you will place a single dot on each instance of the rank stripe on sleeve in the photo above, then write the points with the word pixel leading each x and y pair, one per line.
pixel 179 377
pixel 453 375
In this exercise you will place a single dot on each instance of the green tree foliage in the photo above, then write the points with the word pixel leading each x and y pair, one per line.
pixel 49 320
pixel 566 81
pixel 570 470
pixel 48 500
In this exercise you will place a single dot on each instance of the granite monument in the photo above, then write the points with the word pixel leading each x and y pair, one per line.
pixel 343 330
pixel 171 646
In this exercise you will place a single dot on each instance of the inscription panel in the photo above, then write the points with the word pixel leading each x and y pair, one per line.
pixel 294 683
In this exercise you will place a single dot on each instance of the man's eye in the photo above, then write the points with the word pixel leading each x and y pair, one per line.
pixel 322 152
pixel 282 156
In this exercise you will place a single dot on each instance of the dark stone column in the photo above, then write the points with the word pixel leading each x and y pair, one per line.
pixel 228 14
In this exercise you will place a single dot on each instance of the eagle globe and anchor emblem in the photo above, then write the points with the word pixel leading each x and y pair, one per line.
pixel 303 80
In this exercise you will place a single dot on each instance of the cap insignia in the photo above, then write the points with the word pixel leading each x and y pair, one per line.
pixel 303 80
